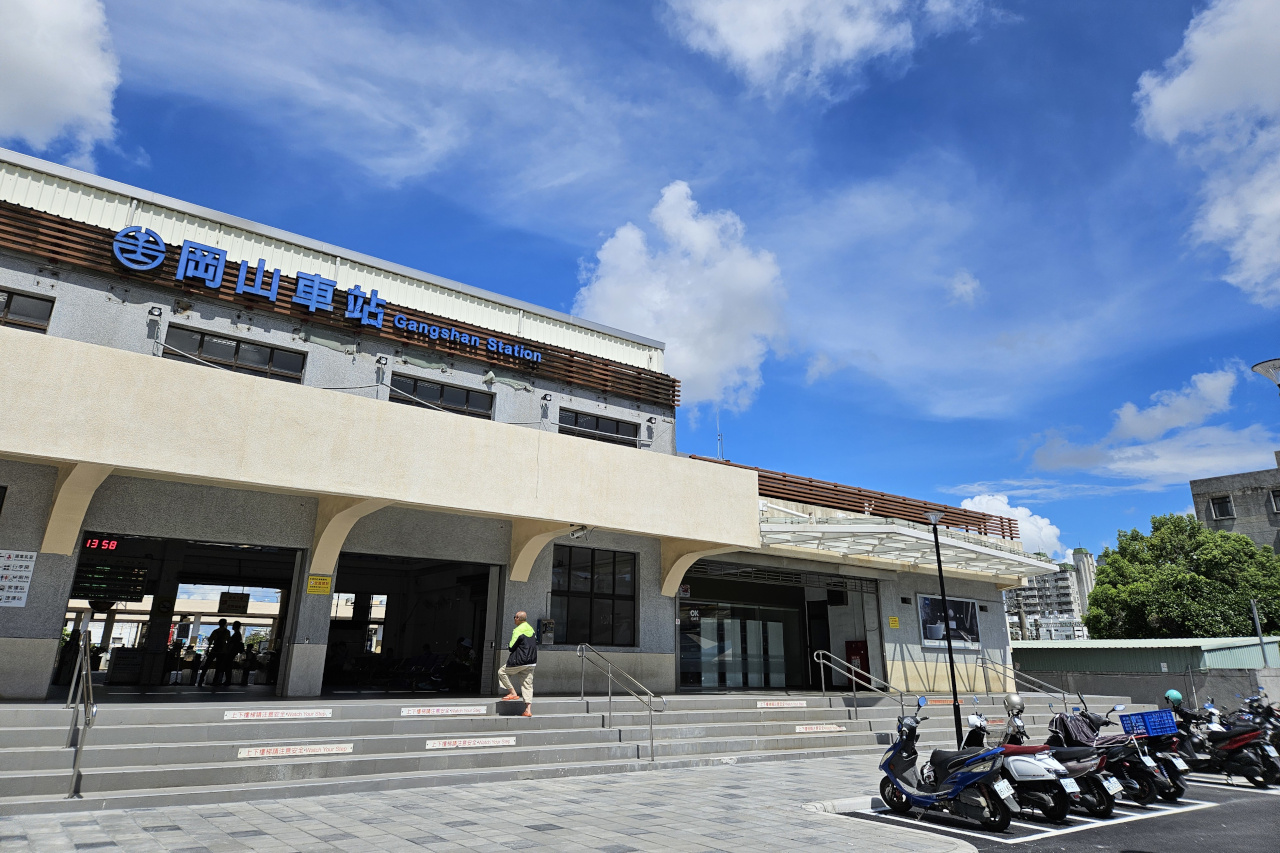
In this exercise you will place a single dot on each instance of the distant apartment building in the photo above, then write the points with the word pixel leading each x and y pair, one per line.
pixel 1052 606
pixel 1246 503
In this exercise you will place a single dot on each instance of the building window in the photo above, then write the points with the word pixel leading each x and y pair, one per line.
pixel 25 312
pixel 593 596
pixel 1275 499
pixel 423 392
pixel 1222 507
pixel 240 356
pixel 599 429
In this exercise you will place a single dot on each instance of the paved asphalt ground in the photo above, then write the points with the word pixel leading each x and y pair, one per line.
pixel 1212 817
pixel 729 807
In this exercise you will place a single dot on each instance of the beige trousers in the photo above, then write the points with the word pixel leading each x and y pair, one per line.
pixel 523 674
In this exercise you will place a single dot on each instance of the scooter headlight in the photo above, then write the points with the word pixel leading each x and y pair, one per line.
pixel 982 766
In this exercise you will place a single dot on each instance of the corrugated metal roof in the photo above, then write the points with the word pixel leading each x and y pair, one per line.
pixel 1202 643
pixel 83 197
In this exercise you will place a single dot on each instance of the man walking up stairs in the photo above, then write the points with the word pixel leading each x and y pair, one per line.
pixel 522 659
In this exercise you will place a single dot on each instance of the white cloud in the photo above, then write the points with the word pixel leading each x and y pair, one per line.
pixel 1218 101
pixel 1207 394
pixel 1168 442
pixel 815 45
pixel 713 299
pixel 871 268
pixel 58 76
pixel 399 98
pixel 1038 533
pixel 964 288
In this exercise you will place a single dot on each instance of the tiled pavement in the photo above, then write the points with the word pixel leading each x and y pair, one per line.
pixel 727 807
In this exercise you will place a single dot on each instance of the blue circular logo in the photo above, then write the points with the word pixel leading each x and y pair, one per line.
pixel 138 248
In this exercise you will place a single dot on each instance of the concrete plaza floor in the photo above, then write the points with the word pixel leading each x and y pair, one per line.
pixel 728 807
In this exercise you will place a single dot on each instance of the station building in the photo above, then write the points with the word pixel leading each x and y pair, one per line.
pixel 404 461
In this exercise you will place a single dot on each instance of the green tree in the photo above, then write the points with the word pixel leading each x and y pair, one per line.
pixel 1183 580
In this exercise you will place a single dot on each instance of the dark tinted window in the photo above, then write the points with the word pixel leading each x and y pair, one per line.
pixel 25 312
pixel 241 356
pixel 593 596
pixel 1222 508
pixel 421 392
pixel 599 428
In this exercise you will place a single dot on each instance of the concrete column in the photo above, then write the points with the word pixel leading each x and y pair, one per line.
pixel 30 635
pixel 163 601
pixel 307 635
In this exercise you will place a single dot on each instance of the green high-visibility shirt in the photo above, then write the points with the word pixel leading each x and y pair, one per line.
pixel 524 629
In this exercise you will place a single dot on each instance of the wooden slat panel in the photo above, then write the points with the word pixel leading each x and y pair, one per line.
pixel 62 241
pixel 806 490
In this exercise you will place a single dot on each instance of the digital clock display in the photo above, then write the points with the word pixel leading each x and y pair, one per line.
pixel 101 544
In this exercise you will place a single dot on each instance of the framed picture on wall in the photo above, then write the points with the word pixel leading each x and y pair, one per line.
pixel 963 620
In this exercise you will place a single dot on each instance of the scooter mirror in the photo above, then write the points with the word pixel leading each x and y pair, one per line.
pixel 1118 708
pixel 975 700
pixel 921 702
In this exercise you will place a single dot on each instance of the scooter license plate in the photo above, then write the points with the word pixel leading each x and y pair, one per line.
pixel 1149 761
pixel 1112 784
pixel 1003 789
pixel 1070 786
pixel 1180 764
pixel 1271 750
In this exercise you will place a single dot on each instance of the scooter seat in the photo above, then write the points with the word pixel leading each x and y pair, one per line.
pixel 1220 737
pixel 1073 753
pixel 945 762
pixel 1024 749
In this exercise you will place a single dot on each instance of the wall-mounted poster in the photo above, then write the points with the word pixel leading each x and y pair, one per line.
pixel 963 620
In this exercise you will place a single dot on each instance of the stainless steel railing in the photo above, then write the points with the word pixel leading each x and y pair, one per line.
pixel 858 679
pixel 613 674
pixel 80 698
pixel 1004 672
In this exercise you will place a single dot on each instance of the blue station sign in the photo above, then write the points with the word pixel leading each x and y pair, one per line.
pixel 141 249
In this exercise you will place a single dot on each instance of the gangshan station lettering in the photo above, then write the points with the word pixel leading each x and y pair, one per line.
pixel 142 249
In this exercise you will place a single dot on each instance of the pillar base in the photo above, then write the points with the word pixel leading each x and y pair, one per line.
pixel 26 667
pixel 303 673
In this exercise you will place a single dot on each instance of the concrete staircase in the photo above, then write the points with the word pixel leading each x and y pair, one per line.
pixel 166 754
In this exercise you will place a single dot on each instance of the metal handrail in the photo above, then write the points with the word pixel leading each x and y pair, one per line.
pixel 606 666
pixel 824 658
pixel 81 696
pixel 1004 670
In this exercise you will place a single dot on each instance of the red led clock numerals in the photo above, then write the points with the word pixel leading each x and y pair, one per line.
pixel 101 544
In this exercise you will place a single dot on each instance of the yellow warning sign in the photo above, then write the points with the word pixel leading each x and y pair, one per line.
pixel 893 621
pixel 320 584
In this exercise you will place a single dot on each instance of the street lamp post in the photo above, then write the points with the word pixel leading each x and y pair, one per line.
pixel 934 518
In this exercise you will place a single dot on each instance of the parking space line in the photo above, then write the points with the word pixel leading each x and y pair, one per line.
pixel 1041 830
pixel 1223 785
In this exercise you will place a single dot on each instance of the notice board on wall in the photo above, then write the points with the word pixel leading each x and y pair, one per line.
pixel 16 568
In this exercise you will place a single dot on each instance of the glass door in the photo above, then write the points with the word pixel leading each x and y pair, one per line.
pixel 735 647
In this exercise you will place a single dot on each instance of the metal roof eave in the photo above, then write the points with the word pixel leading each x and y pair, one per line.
pixel 67 173
pixel 890 540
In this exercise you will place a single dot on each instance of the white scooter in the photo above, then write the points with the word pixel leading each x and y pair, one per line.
pixel 1039 780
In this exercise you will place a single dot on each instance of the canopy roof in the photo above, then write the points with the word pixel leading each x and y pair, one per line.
pixel 903 542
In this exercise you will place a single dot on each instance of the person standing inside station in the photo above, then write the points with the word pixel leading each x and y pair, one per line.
pixel 215 651
pixel 522 658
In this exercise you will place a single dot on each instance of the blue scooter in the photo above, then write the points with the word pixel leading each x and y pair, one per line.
pixel 966 783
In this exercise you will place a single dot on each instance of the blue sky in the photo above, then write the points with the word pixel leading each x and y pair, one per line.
pixel 1011 253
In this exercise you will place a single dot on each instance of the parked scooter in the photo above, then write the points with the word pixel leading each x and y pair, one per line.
pixel 1096 789
pixel 1208 746
pixel 1257 711
pixel 1141 776
pixel 1039 780
pixel 966 783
